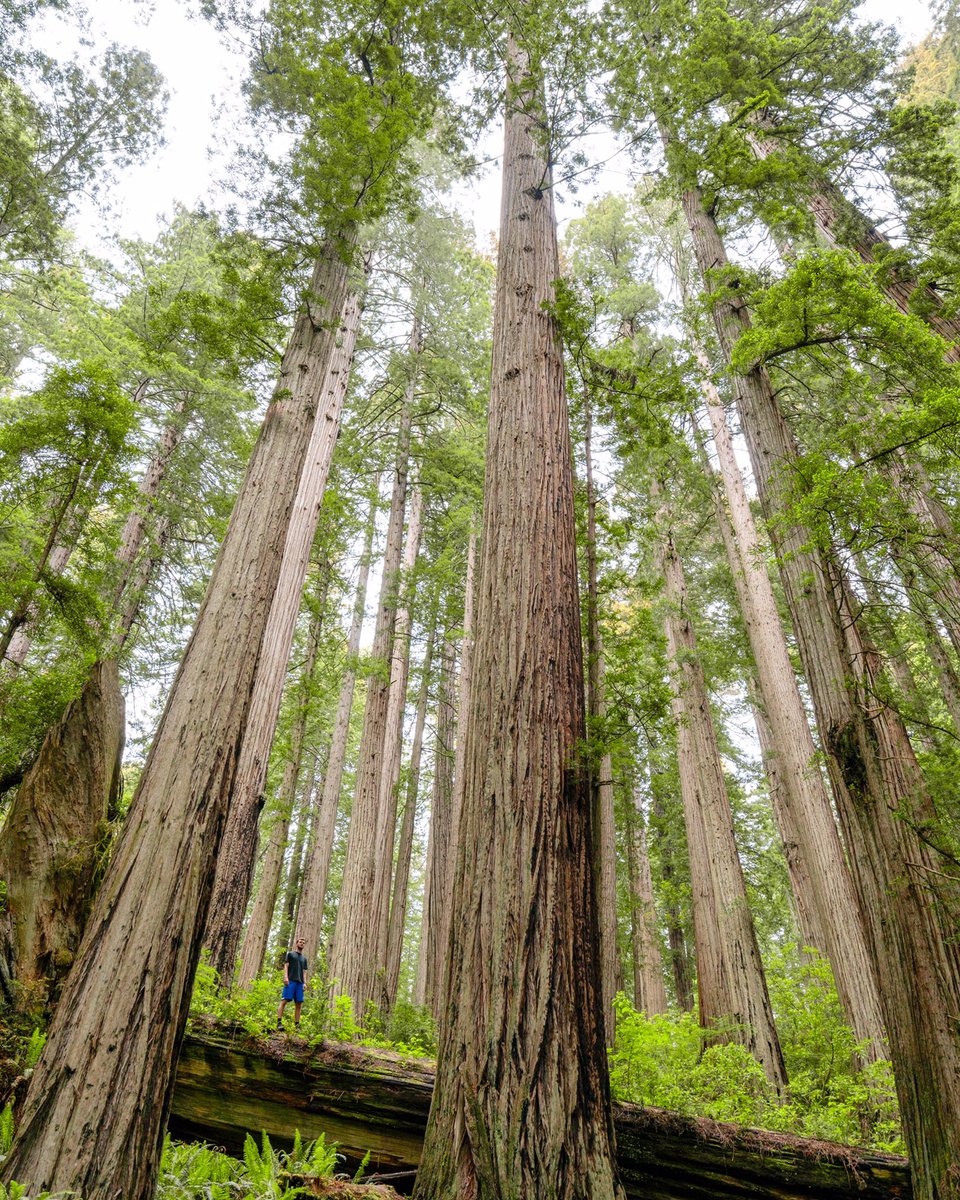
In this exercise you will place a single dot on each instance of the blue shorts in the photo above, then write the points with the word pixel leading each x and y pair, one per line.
pixel 293 991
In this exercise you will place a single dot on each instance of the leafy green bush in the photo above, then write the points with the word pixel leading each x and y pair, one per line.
pixel 662 1061
pixel 189 1172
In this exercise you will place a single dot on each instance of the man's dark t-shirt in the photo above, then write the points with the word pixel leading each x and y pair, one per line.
pixel 296 966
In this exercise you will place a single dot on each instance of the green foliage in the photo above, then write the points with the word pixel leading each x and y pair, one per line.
pixel 670 1062
pixel 198 1172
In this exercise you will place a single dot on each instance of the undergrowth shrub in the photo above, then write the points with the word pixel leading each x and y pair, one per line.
pixel 198 1172
pixel 666 1061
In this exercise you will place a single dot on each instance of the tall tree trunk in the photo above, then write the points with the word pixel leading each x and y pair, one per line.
pixel 254 945
pixel 318 861
pixel 393 745
pixel 831 920
pixel 906 899
pixel 51 837
pixel 730 981
pixel 454 784
pixel 290 904
pixel 435 927
pixel 96 1111
pixel 353 964
pixel 521 1105
pixel 680 967
pixel 235 866
pixel 605 864
pixel 398 907
pixel 649 993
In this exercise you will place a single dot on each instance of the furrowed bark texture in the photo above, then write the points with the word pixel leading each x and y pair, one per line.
pixel 521 1105
pixel 883 806
pixel 428 989
pixel 829 910
pixel 254 946
pixel 392 747
pixel 235 867
pixel 605 865
pixel 51 838
pixel 398 906
pixel 353 964
pixel 649 993
pixel 731 985
pixel 95 1114
pixel 318 862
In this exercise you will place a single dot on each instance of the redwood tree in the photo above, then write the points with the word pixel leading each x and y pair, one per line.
pixel 521 1102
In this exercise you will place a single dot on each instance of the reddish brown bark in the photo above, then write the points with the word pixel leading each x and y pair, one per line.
pixel 95 1114
pixel 521 1104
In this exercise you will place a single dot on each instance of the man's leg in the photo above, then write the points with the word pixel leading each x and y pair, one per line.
pixel 283 1005
pixel 297 1005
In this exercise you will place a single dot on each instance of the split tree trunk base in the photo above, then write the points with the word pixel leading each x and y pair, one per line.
pixel 377 1101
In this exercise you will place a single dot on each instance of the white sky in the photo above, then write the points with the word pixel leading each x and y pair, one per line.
pixel 203 76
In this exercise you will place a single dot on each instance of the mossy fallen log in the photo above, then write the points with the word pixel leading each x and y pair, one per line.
pixel 376 1102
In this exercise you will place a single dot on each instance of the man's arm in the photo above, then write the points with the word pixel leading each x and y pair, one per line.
pixel 286 968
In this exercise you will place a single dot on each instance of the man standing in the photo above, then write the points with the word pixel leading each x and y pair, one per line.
pixel 294 977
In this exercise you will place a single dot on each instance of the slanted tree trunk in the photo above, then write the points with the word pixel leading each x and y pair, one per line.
pixel 353 963
pixel 428 989
pixel 731 985
pixel 51 839
pixel 521 1104
pixel 398 907
pixel 393 745
pixel 235 866
pixel 827 904
pixel 318 861
pixel 254 947
pixel 906 897
pixel 95 1114
pixel 605 864
pixel 290 904
pixel 649 993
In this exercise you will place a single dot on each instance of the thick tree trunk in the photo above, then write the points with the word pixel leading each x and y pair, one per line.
pixel 731 985
pixel 906 899
pixel 649 993
pixel 318 861
pixel 521 1105
pixel 398 907
pixel 428 990
pixel 254 946
pixel 95 1114
pixel 52 837
pixel 353 964
pixel 392 747
pixel 235 866
pixel 605 865
pixel 827 904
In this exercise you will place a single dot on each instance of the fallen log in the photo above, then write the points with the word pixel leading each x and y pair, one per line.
pixel 376 1102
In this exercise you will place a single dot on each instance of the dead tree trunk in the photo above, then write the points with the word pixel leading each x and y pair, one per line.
pixel 102 1088
pixel 907 900
pixel 318 861
pixel 353 965
pixel 521 1105
pixel 235 866
pixel 730 981
pixel 51 839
